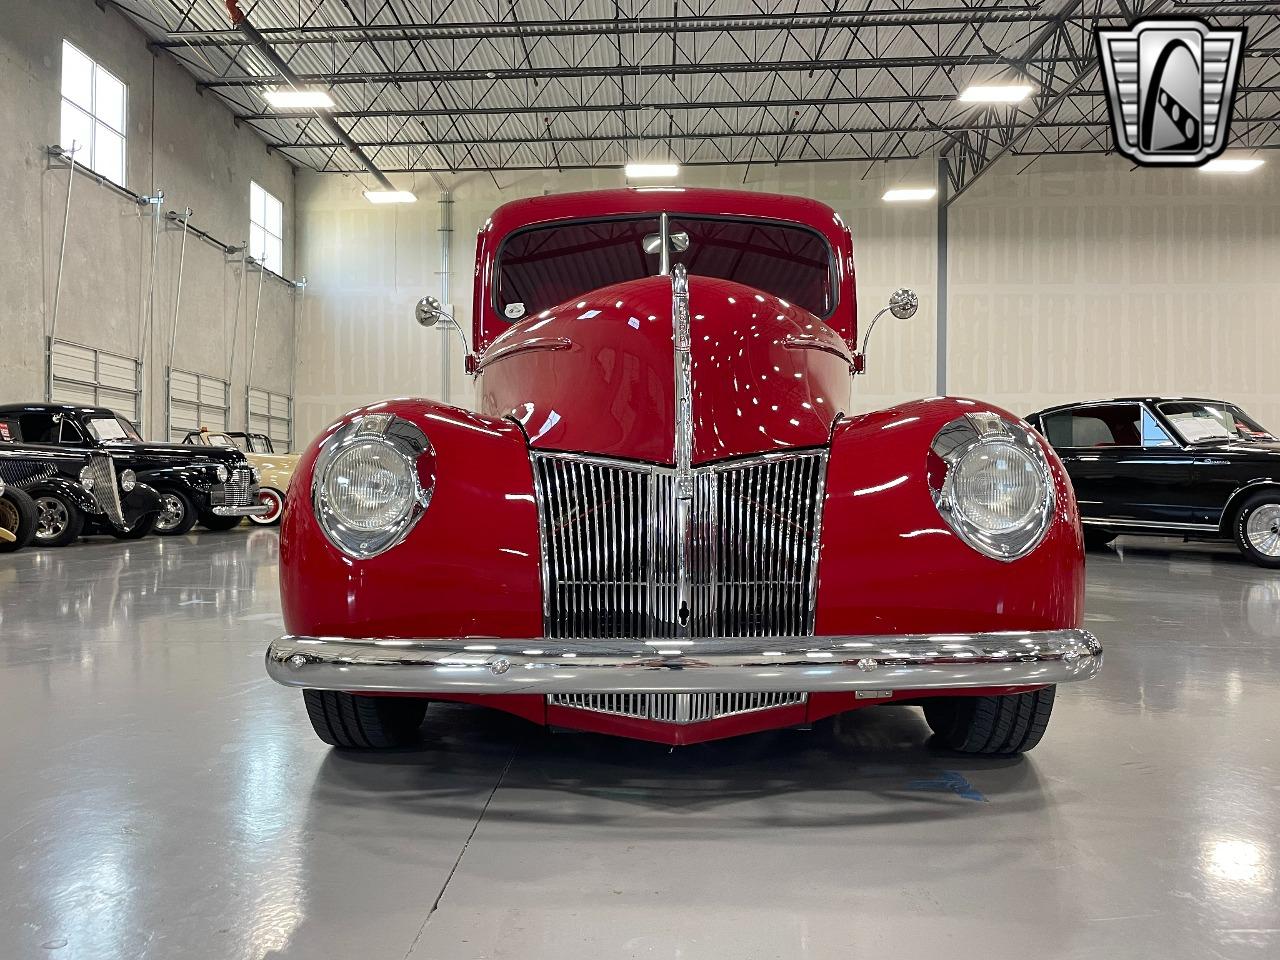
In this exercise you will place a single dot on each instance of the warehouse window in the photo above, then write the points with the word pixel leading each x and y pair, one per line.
pixel 93 114
pixel 266 229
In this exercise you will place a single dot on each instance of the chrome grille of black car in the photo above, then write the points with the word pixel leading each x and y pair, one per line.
pixel 675 707
pixel 236 492
pixel 106 492
pixel 610 547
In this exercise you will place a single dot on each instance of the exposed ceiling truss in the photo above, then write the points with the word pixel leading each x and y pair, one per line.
pixel 453 86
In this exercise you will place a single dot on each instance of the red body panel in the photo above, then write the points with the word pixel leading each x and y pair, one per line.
pixel 597 375
pixel 469 568
pixel 890 564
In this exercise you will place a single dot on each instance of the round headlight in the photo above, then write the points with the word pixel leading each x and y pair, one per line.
pixel 994 487
pixel 369 485
pixel 997 487
pixel 221 473
pixel 367 489
pixel 128 480
pixel 86 477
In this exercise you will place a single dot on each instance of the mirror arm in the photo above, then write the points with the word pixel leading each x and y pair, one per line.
pixel 860 360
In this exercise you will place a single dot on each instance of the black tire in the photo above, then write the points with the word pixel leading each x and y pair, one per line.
pixel 58 520
pixel 177 515
pixel 1098 539
pixel 274 499
pixel 211 521
pixel 1008 724
pixel 18 516
pixel 1256 528
pixel 352 721
pixel 143 526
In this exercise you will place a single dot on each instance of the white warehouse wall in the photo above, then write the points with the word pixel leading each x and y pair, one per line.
pixel 369 265
pixel 1084 278
pixel 179 141
pixel 1078 278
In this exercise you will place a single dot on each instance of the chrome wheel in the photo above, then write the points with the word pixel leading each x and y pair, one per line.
pixel 52 518
pixel 1262 529
pixel 172 511
pixel 274 500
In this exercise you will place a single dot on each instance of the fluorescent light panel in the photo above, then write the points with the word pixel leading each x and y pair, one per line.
pixel 298 99
pixel 643 171
pixel 995 93
pixel 1233 165
pixel 389 196
pixel 907 194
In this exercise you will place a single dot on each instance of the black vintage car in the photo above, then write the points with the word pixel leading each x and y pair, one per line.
pixel 1170 466
pixel 77 492
pixel 215 485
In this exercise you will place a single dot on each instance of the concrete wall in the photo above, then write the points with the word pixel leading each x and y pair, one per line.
pixel 369 266
pixel 1077 279
pixel 180 142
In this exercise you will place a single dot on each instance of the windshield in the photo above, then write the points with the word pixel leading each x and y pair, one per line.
pixel 1199 421
pixel 258 443
pixel 107 429
pixel 545 266
pixel 220 440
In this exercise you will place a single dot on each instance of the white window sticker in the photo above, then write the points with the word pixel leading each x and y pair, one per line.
pixel 514 311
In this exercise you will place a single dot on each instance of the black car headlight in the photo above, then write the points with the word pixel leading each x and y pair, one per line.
pixel 222 473
pixel 991 483
pixel 86 477
pixel 128 480
pixel 370 486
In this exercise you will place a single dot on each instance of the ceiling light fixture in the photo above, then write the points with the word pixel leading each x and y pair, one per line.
pixel 390 196
pixel 995 93
pixel 1236 164
pixel 650 171
pixel 298 99
pixel 907 194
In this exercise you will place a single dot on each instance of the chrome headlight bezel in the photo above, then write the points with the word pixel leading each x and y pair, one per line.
pixel 86 477
pixel 980 433
pixel 128 480
pixel 222 473
pixel 409 444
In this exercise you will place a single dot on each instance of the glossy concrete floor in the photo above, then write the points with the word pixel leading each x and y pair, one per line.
pixel 160 798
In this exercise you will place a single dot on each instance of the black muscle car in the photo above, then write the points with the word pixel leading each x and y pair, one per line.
pixel 1170 466
pixel 76 493
pixel 214 485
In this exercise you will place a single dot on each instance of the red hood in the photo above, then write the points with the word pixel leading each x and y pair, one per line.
pixel 597 375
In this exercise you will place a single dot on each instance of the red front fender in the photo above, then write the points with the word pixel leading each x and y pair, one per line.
pixel 469 568
pixel 891 564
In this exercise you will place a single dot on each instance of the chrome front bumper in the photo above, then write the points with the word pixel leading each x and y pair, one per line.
pixel 254 510
pixel 800 664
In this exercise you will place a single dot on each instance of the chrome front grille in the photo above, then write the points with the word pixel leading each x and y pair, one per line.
pixel 611 547
pixel 106 492
pixel 675 707
pixel 236 492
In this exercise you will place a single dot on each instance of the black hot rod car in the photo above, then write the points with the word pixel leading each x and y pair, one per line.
pixel 76 492
pixel 214 485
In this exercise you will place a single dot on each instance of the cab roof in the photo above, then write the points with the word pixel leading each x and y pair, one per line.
pixel 689 200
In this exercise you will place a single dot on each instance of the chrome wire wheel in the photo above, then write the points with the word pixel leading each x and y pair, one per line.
pixel 1262 530
pixel 52 518
pixel 172 512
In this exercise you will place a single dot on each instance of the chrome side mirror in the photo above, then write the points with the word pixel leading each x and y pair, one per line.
pixel 429 312
pixel 903 304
